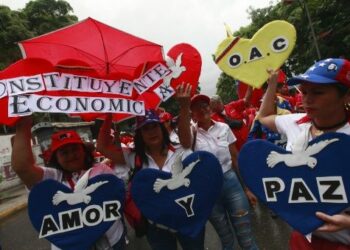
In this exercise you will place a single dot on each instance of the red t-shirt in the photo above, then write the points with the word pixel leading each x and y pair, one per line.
pixel 235 110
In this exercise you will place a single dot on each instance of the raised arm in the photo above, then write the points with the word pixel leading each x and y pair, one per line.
pixel 267 111
pixel 248 96
pixel 184 123
pixel 105 143
pixel 22 156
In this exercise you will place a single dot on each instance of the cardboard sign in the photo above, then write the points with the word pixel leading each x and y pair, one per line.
pixel 181 201
pixel 248 60
pixel 185 63
pixel 34 85
pixel 296 185
pixel 79 93
pixel 76 220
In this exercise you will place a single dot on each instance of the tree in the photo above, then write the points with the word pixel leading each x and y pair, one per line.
pixel 226 88
pixel 172 105
pixel 38 17
pixel 330 22
pixel 46 15
pixel 13 28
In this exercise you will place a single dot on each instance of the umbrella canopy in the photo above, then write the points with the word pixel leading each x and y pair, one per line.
pixel 88 69
pixel 106 50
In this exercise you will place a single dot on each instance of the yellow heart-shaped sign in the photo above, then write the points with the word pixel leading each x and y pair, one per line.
pixel 248 60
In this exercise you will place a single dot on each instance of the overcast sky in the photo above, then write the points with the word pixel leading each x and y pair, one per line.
pixel 169 22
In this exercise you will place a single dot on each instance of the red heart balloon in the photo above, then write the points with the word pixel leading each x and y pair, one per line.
pixel 186 64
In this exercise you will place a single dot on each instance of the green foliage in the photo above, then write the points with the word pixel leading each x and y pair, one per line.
pixel 38 17
pixel 332 28
pixel 171 106
pixel 47 15
pixel 330 21
pixel 13 28
pixel 226 88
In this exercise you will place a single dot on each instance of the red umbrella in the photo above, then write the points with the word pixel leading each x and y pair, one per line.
pixel 101 47
pixel 91 50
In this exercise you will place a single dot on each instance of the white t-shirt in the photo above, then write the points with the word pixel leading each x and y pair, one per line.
pixel 171 155
pixel 297 135
pixel 174 138
pixel 115 232
pixel 216 140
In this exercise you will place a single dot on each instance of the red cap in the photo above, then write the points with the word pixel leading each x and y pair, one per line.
pixel 62 138
pixel 199 97
pixel 165 116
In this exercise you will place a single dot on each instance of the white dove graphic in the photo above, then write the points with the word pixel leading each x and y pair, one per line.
pixel 296 159
pixel 175 67
pixel 178 175
pixel 81 191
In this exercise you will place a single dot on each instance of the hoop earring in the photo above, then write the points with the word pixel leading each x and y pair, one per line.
pixel 347 106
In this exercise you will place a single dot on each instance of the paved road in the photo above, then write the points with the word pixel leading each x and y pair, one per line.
pixel 16 233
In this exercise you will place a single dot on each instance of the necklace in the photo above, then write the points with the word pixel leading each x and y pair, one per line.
pixel 319 130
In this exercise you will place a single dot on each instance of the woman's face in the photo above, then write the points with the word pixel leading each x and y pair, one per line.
pixel 71 157
pixel 201 111
pixel 322 101
pixel 152 134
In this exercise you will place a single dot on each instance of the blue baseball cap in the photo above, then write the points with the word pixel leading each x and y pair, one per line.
pixel 149 117
pixel 328 71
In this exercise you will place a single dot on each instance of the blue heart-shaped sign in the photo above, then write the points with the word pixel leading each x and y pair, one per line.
pixel 76 220
pixel 181 202
pixel 296 185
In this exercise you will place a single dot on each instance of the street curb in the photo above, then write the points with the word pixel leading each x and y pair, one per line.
pixel 13 209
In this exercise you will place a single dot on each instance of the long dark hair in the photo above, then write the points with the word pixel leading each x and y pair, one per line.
pixel 88 160
pixel 341 88
pixel 140 147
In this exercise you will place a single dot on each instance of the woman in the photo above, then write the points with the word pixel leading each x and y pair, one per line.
pixel 232 207
pixel 70 160
pixel 153 149
pixel 326 96
pixel 171 125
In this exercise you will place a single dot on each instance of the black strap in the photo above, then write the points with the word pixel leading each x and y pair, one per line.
pixel 137 167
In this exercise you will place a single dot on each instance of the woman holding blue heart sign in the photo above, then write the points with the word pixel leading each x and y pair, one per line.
pixel 153 150
pixel 326 97
pixel 230 216
pixel 72 165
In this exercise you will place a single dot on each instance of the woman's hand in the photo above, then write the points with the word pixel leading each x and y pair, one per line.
pixel 251 197
pixel 333 223
pixel 24 124
pixel 183 94
pixel 104 135
pixel 267 112
pixel 273 76
pixel 105 143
